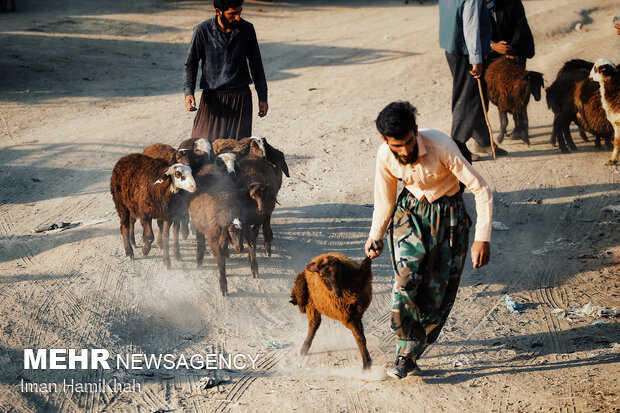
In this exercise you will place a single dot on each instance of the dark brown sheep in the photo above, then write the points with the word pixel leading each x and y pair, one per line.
pixel 216 212
pixel 337 287
pixel 202 150
pixel 561 100
pixel 591 116
pixel 608 76
pixel 573 97
pixel 509 87
pixel 144 188
pixel 254 145
pixel 260 180
pixel 180 203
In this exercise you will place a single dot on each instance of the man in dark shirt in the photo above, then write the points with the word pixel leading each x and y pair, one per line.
pixel 510 33
pixel 225 45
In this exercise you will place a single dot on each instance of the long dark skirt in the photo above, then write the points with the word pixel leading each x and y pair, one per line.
pixel 467 113
pixel 224 114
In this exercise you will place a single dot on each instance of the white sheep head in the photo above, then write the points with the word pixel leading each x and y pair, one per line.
pixel 203 146
pixel 260 143
pixel 602 68
pixel 182 178
pixel 230 161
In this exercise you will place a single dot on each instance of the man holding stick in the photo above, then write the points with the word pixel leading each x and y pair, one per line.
pixel 465 35
pixel 427 227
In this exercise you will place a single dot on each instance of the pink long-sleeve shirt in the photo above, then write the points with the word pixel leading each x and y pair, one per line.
pixel 437 172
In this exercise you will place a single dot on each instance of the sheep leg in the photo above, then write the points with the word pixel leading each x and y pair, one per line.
pixel 558 129
pixel 217 249
pixel 160 225
pixel 569 138
pixel 521 121
pixel 526 126
pixel 357 328
pixel 582 133
pixel 147 235
pixel 200 248
pixel 175 233
pixel 125 228
pixel 608 142
pixel 503 122
pixel 132 236
pixel 314 321
pixel 184 224
pixel 220 258
pixel 268 235
pixel 166 242
pixel 554 132
pixel 251 234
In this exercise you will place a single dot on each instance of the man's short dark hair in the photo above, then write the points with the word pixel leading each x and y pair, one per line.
pixel 226 4
pixel 396 120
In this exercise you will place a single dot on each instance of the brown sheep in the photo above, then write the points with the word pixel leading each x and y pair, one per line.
pixel 144 188
pixel 608 76
pixel 337 287
pixel 509 87
pixel 180 203
pixel 261 183
pixel 254 145
pixel 216 212
pixel 202 150
pixel 591 116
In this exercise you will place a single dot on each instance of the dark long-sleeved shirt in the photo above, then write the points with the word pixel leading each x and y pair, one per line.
pixel 224 59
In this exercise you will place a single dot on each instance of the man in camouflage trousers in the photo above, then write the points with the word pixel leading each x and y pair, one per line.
pixel 427 227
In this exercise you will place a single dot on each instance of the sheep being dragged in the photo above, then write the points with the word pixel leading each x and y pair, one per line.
pixel 144 188
pixel 509 87
pixel 337 287
pixel 608 76
pixel 216 212
pixel 261 183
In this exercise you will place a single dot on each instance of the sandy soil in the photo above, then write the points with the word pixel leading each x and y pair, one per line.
pixel 83 83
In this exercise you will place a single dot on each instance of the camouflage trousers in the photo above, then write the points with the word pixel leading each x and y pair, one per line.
pixel 428 245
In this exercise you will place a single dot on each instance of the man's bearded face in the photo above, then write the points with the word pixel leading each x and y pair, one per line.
pixel 404 150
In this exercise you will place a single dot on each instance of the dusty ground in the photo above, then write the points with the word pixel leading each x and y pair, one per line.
pixel 83 83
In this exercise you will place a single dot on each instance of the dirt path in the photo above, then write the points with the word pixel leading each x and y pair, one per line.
pixel 84 83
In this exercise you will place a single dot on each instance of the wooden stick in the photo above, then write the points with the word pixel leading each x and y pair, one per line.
pixel 486 117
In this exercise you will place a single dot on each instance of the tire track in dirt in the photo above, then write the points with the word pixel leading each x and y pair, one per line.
pixel 247 378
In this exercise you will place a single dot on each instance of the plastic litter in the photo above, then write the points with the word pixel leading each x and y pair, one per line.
pixel 612 208
pixel 515 308
pixel 600 323
pixel 500 226
pixel 588 310
pixel 276 345
pixel 209 382
pixel 61 226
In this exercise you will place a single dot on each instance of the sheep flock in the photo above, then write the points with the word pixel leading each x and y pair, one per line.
pixel 584 93
pixel 228 189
